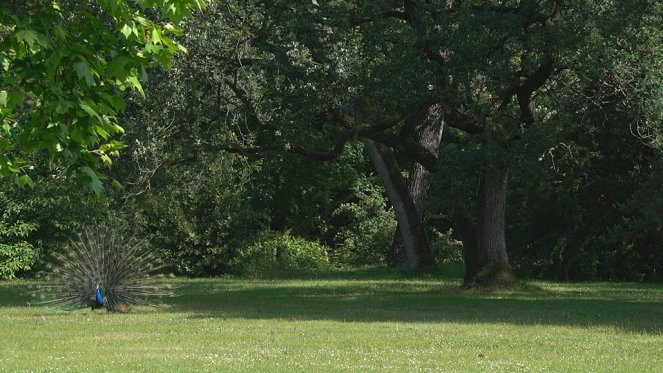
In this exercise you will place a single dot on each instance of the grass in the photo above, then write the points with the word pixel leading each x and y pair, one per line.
pixel 346 321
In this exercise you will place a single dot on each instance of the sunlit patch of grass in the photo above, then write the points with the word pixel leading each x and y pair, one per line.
pixel 371 319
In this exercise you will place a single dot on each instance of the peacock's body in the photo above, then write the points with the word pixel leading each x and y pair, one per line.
pixel 103 268
pixel 98 299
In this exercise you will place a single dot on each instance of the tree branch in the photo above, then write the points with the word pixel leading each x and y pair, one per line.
pixel 233 62
pixel 387 14
pixel 241 95
pixel 529 86
pixel 462 122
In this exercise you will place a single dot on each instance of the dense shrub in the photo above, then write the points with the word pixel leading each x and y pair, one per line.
pixel 275 253
pixel 36 222
pixel 368 229
pixel 16 254
pixel 445 248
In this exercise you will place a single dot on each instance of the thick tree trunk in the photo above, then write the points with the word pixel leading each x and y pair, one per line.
pixel 489 264
pixel 430 136
pixel 491 240
pixel 416 249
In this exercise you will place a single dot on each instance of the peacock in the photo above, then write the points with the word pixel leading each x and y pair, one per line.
pixel 98 299
pixel 103 268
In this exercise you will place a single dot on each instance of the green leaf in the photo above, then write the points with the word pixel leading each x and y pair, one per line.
pixel 112 147
pixel 3 98
pixel 90 111
pixel 156 36
pixel 63 106
pixel 144 77
pixel 14 98
pixel 53 62
pixel 5 63
pixel 106 159
pixel 99 130
pixel 83 71
pixel 200 4
pixel 117 129
pixel 91 180
pixel 27 36
pixel 23 181
pixel 116 67
pixel 126 30
pixel 32 37
pixel 132 81
pixel 59 32
pixel 153 49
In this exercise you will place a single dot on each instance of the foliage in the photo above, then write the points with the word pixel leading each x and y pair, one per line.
pixel 199 200
pixel 65 67
pixel 367 228
pixel 54 210
pixel 575 223
pixel 274 253
pixel 446 248
pixel 194 213
pixel 593 146
pixel 222 147
pixel 16 254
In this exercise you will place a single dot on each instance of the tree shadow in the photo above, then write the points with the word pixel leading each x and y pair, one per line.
pixel 16 293
pixel 631 307
pixel 412 301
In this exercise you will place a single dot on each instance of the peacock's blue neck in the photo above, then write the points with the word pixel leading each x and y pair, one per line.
pixel 99 297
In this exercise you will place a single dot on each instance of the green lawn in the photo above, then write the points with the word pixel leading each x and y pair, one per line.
pixel 352 321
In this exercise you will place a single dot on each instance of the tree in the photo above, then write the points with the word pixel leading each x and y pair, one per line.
pixel 201 205
pixel 429 134
pixel 306 73
pixel 66 65
pixel 586 100
pixel 273 65
pixel 486 64
pixel 309 78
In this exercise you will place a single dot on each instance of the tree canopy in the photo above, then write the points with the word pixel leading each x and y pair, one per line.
pixel 549 114
pixel 66 65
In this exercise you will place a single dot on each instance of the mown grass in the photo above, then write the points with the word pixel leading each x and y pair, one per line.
pixel 346 321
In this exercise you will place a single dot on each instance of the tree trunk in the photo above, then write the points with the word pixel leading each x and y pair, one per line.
pixel 430 136
pixel 416 249
pixel 490 265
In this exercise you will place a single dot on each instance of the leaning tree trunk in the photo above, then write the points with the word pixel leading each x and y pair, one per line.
pixel 430 136
pixel 416 249
pixel 490 263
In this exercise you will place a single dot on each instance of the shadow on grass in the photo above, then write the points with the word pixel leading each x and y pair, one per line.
pixel 413 301
pixel 377 295
pixel 16 293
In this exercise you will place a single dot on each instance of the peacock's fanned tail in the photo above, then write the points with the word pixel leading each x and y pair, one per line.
pixel 103 268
